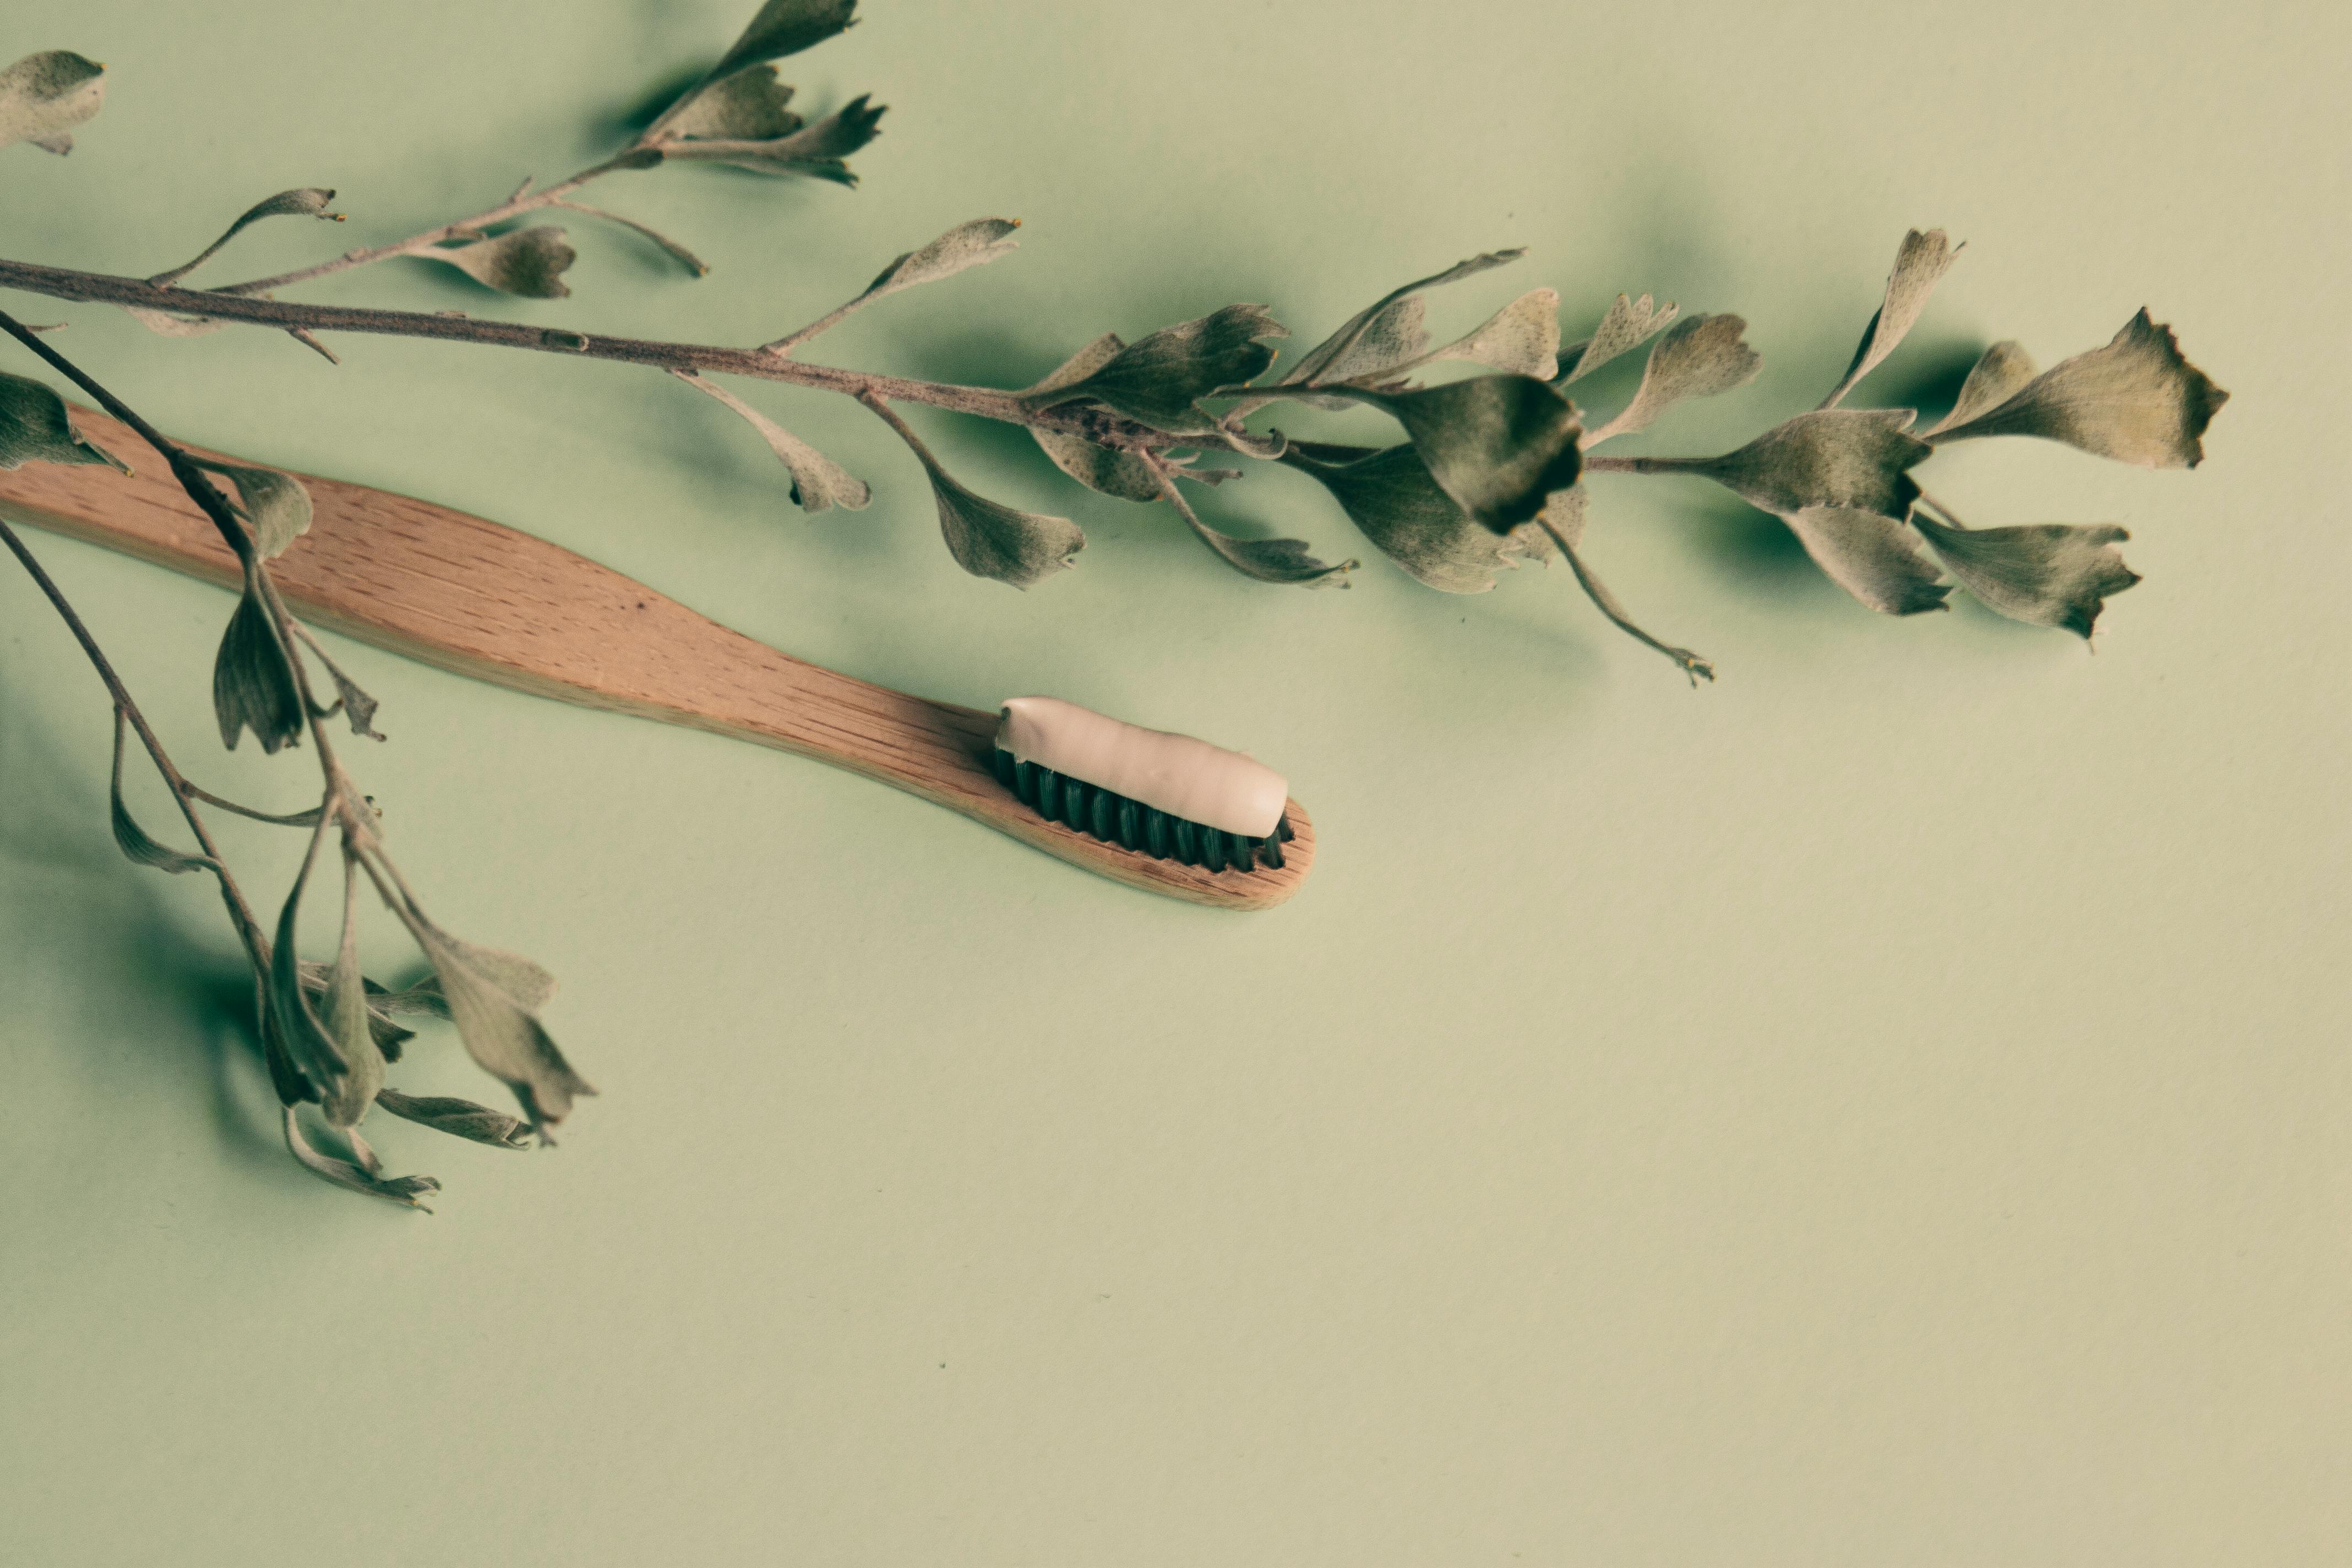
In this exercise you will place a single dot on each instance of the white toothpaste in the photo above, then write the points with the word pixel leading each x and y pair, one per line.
pixel 1175 773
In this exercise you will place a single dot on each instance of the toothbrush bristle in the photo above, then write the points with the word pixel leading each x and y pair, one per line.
pixel 1118 819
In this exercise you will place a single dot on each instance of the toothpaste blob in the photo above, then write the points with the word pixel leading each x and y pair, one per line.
pixel 1174 774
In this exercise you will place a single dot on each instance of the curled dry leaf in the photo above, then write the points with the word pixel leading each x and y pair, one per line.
pixel 1389 496
pixel 133 839
pixel 1159 380
pixel 253 682
pixel 1497 444
pixel 309 201
pixel 1699 356
pixel 1333 359
pixel 1873 557
pixel 988 539
pixel 345 1012
pixel 1626 326
pixel 1920 262
pixel 784 27
pixel 818 150
pixel 314 1051
pixel 458 1118
pixel 528 262
pixel 2046 575
pixel 363 1177
pixel 275 505
pixel 494 999
pixel 35 428
pixel 2137 400
pixel 818 482
pixel 43 97
pixel 748 105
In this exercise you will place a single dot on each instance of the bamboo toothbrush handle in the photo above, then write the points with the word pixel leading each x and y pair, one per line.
pixel 472 596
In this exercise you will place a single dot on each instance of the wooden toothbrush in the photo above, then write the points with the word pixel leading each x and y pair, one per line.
pixel 483 600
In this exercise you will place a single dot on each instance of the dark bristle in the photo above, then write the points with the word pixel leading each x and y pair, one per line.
pixel 1118 819
pixel 1282 829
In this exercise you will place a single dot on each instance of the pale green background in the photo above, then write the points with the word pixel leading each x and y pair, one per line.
pixel 1889 1107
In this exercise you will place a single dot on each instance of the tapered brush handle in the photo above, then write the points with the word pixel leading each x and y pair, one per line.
pixel 484 600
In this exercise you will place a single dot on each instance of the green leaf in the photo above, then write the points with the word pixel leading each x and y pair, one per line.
pixel 1700 356
pixel 2046 575
pixel 816 149
pixel 347 1020
pixel 494 998
pixel 818 482
pixel 1626 326
pixel 34 428
pixel 1920 262
pixel 528 262
pixel 786 27
pixel 747 105
pixel 458 1118
pixel 1521 339
pixel 1563 520
pixel 253 682
pixel 402 1190
pixel 1098 468
pixel 1159 380
pixel 1333 359
pixel 275 504
pixel 1390 497
pixel 308 202
pixel 132 838
pixel 1874 558
pixel 2137 400
pixel 1850 457
pixel 43 97
pixel 1497 444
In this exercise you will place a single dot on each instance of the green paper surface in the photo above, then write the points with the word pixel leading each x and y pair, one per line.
pixel 1886 1106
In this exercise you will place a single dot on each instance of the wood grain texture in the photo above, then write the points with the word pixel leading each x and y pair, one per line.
pixel 483 600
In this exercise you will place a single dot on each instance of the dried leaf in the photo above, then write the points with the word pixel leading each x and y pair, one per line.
pixel 134 839
pixel 1998 373
pixel 973 244
pixel 786 27
pixel 1700 356
pixel 458 1118
pixel 1521 339
pixel 1626 326
pixel 1920 262
pixel 308 202
pixel 528 262
pixel 275 504
pixel 991 540
pixel 1159 380
pixel 1853 457
pixel 2137 400
pixel 34 428
pixel 1093 465
pixel 314 1052
pixel 816 150
pixel 818 482
pixel 1873 557
pixel 43 97
pixel 345 1012
pixel 748 105
pixel 1283 561
pixel 2047 575
pixel 1325 361
pixel 1497 444
pixel 359 708
pixel 494 998
pixel 1563 518
pixel 1390 497
pixel 402 1190
pixel 253 682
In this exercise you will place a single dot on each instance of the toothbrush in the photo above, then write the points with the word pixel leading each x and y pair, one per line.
pixel 1167 814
